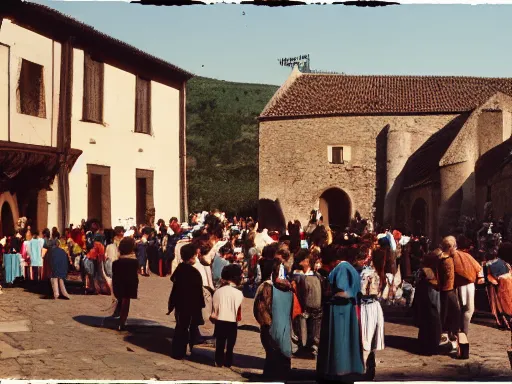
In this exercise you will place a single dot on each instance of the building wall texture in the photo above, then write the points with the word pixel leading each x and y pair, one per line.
pixel 294 167
pixel 117 145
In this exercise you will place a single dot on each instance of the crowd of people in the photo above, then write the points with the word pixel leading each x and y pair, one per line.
pixel 318 293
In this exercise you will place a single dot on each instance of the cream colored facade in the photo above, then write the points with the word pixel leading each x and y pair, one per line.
pixel 120 148
pixel 113 144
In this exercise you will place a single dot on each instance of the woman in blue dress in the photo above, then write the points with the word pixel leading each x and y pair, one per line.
pixel 340 353
pixel 273 305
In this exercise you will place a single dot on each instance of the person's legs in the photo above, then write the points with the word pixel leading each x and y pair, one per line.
pixel 55 287
pixel 468 302
pixel 220 342
pixel 117 311
pixel 181 335
pixel 231 341
pixel 125 309
pixel 62 288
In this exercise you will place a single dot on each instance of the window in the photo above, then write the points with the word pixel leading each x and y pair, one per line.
pixel 143 106
pixel 144 195
pixel 93 90
pixel 338 154
pixel 31 95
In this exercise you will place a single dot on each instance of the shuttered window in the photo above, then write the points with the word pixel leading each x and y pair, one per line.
pixel 31 94
pixel 337 155
pixel 93 90
pixel 143 106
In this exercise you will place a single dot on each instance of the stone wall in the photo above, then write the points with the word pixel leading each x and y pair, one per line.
pixel 294 165
pixel 501 185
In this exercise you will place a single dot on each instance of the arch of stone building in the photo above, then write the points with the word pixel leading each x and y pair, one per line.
pixel 419 203
pixel 7 197
pixel 343 191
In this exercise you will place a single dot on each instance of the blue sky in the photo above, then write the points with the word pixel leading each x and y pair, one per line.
pixel 219 41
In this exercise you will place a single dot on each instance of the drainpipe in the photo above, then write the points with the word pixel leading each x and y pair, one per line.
pixel 183 153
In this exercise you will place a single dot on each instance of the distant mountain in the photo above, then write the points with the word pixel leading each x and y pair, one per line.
pixel 222 144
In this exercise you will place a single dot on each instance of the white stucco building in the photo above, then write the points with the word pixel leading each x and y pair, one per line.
pixel 90 127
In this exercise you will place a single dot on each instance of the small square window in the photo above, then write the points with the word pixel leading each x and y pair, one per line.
pixel 31 94
pixel 337 155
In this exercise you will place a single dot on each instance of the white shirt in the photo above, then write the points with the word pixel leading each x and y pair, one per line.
pixel 206 273
pixel 226 303
pixel 112 252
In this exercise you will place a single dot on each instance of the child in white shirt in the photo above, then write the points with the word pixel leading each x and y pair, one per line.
pixel 227 312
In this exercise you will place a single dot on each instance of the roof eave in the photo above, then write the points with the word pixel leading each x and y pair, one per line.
pixel 59 27
pixel 263 118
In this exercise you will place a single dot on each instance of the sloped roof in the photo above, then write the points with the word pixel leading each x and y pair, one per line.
pixel 491 162
pixel 60 27
pixel 312 95
pixel 423 166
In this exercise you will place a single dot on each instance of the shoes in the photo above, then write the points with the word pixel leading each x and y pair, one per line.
pixel 64 297
pixel 121 328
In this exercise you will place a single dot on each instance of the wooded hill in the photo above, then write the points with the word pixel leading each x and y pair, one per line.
pixel 222 144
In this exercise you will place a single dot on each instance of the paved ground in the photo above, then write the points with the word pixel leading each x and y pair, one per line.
pixel 47 339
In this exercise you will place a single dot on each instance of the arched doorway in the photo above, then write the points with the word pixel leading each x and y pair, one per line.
pixel 336 208
pixel 419 216
pixel 7 221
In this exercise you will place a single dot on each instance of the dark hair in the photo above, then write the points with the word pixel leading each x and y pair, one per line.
pixel 266 267
pixel 226 249
pixel 126 246
pixel 269 251
pixel 118 231
pixel 188 251
pixel 302 255
pixel 46 233
pixel 299 257
pixel 55 233
pixel 319 236
pixel 233 273
pixel 284 253
pixel 328 254
pixel 173 219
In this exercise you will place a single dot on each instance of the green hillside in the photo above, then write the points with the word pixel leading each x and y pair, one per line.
pixel 222 144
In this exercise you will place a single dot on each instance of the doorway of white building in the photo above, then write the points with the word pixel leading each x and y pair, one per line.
pixel 144 179
pixel 141 209
pixel 6 220
pixel 98 194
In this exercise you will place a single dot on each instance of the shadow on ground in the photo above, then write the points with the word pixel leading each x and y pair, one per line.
pixel 156 338
pixel 250 328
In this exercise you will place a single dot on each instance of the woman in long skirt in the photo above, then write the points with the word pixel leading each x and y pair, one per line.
pixel 426 306
pixel 340 355
pixel 499 285
pixel 273 305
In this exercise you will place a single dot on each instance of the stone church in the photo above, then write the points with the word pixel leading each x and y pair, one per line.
pixel 413 152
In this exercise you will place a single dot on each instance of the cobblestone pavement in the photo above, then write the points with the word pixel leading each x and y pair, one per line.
pixel 48 339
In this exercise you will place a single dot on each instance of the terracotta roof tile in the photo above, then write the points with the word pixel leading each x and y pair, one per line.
pixel 322 94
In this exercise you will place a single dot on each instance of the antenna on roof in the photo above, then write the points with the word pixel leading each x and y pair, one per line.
pixel 301 61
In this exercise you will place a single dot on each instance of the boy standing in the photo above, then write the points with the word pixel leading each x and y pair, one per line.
pixel 308 287
pixel 187 300
pixel 227 312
